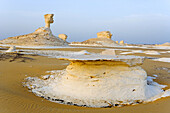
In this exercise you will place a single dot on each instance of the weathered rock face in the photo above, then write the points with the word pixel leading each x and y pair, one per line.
pixel 104 34
pixel 63 36
pixel 48 20
pixel 41 37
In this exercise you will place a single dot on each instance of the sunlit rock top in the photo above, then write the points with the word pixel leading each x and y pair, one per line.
pixel 104 34
pixel 48 20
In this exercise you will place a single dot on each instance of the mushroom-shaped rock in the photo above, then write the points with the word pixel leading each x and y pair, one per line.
pixel 97 81
pixel 63 36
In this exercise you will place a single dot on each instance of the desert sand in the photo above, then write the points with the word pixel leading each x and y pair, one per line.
pixel 16 99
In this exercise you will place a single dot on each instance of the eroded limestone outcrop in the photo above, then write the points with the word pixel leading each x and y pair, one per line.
pixel 48 20
pixel 97 81
pixel 104 34
pixel 103 39
pixel 41 37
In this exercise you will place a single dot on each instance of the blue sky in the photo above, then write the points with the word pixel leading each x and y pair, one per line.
pixel 134 21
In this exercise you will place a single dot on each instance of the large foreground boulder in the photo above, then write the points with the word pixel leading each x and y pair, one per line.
pixel 98 81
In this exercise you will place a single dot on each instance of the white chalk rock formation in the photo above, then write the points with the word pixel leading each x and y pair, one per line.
pixel 11 49
pixel 98 81
pixel 103 39
pixel 41 37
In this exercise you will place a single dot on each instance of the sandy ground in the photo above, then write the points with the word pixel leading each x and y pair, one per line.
pixel 14 98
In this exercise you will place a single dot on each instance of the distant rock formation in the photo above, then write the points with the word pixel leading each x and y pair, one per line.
pixel 103 39
pixel 48 20
pixel 63 36
pixel 165 44
pixel 104 34
pixel 41 37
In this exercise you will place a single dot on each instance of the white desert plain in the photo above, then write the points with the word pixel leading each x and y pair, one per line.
pixel 43 73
